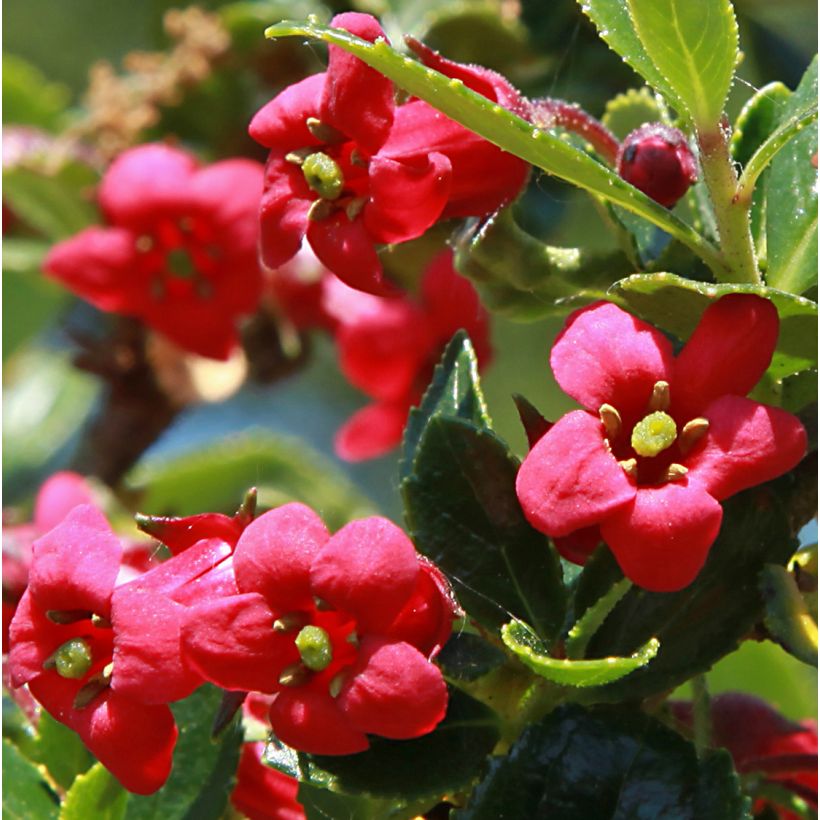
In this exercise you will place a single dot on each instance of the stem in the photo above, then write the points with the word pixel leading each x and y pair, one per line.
pixel 550 113
pixel 731 215
pixel 702 714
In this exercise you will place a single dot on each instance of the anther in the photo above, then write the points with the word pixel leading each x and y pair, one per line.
pixel 294 675
pixel 100 622
pixel 335 685
pixel 67 616
pixel 357 159
pixel 611 419
pixel 660 397
pixel 321 604
pixel 675 472
pixel 323 132
pixel 289 622
pixel 354 207
pixel 321 209
pixel 693 431
pixel 630 467
pixel 298 157
pixel 144 243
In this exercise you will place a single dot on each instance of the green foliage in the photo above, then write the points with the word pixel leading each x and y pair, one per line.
pixel 467 657
pixel 29 98
pixel 323 804
pixel 626 112
pixel 787 618
pixel 605 763
pixel 95 794
pixel 60 750
pixel 31 798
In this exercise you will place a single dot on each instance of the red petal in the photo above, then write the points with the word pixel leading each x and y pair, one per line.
pixel 283 211
pixel 281 123
pixel 346 248
pixel 262 792
pixel 371 432
pixel 200 327
pixel 57 496
pixel 570 480
pixel 368 569
pixel 231 642
pixel 728 353
pixel 143 180
pixel 274 555
pixel 661 540
pixel 33 638
pixel 405 200
pixel 357 99
pixel 313 722
pixel 604 355
pixel 578 546
pixel 180 533
pixel 99 264
pixel 747 443
pixel 394 691
pixel 75 565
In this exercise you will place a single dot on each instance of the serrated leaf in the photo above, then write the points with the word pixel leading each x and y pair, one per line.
pixel 787 619
pixel 444 761
pixel 95 794
pixel 215 478
pixel 454 391
pixel 695 47
pixel 605 764
pixel 705 621
pixel 30 797
pixel 541 148
pixel 531 651
pixel 463 513
pixel 791 200
pixel 626 112
pixel 204 769
pixel 676 304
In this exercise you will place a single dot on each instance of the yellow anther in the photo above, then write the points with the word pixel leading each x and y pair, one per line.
pixel 675 472
pixel 335 685
pixel 320 209
pixel 289 622
pixel 653 434
pixel 660 397
pixel 630 467
pixel 693 431
pixel 324 132
pixel 611 419
pixel 294 675
pixel 354 207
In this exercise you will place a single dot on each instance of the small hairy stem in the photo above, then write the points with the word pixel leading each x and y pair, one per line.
pixel 731 215
pixel 552 113
pixel 702 714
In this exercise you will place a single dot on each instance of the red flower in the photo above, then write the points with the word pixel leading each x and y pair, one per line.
pixel 180 250
pixel 762 740
pixel 104 659
pixel 662 440
pixel 355 618
pixel 349 169
pixel 388 348
pixel 263 793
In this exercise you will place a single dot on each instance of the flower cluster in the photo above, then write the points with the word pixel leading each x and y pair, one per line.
pixel 661 441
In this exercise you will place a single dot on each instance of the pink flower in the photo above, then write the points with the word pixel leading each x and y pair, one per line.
pixel 349 170
pixel 661 441
pixel 179 251
pixel 104 658
pixel 389 347
pixel 355 617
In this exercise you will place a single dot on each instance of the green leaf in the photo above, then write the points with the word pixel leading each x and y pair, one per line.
pixel 204 769
pixel 454 391
pixel 587 625
pixel 676 305
pixel 468 657
pixel 60 750
pixel 27 795
pixel 798 391
pixel 791 201
pixel 758 118
pixel 444 761
pixel 512 133
pixel 605 764
pixel 787 619
pixel 532 652
pixel 215 478
pixel 628 111
pixel 695 47
pixel 323 804
pixel 463 513
pixel 95 794
pixel 29 98
pixel 705 621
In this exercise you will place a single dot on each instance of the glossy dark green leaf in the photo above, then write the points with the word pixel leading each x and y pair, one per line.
pixel 444 761
pixel 791 209
pixel 468 657
pixel 676 305
pixel 95 794
pixel 60 750
pixel 799 390
pixel 454 391
pixel 787 618
pixel 605 764
pixel 204 769
pixel 758 118
pixel 708 619
pixel 463 513
pixel 26 793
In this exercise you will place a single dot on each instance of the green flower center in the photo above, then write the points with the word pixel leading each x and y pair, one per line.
pixel 73 659
pixel 314 648
pixel 323 175
pixel 653 434
pixel 180 263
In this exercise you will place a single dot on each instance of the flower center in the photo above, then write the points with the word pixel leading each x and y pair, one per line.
pixel 653 434
pixel 323 175
pixel 180 263
pixel 314 647
pixel 72 660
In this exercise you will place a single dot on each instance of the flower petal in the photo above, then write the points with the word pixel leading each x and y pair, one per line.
pixel 405 199
pixel 283 211
pixel 368 569
pixel 394 691
pixel 578 546
pixel 357 99
pixel 570 480
pixel 728 353
pixel 57 496
pixel 75 565
pixel 313 722
pixel 747 443
pixel 261 792
pixel 281 124
pixel 231 642
pixel 604 355
pixel 371 432
pixel 662 539
pixel 274 555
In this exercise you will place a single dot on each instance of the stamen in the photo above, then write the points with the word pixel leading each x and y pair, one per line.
pixel 321 604
pixel 653 434
pixel 357 159
pixel 630 467
pixel 100 622
pixel 323 132
pixel 294 675
pixel 67 616
pixel 354 207
pixel 289 622
pixel 321 209
pixel 314 648
pixel 335 685
pixel 144 243
pixel 675 472
pixel 94 688
pixel 693 431
pixel 611 419
pixel 660 397
pixel 298 157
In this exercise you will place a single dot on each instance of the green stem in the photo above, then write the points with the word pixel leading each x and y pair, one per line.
pixel 731 214
pixel 702 714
